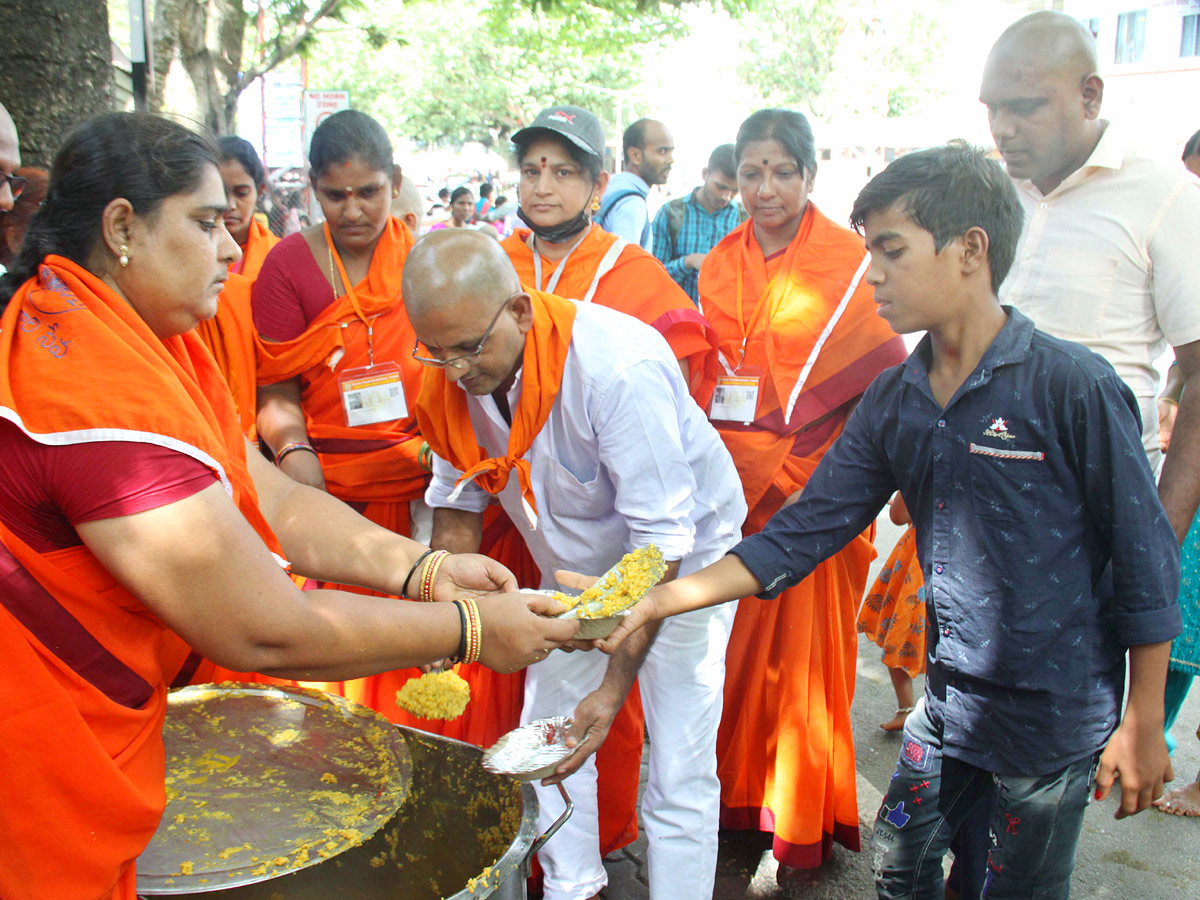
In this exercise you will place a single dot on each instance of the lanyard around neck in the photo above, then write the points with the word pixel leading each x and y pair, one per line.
pixel 743 324
pixel 562 263
pixel 336 258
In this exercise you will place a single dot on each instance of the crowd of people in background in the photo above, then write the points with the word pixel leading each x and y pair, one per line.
pixel 449 398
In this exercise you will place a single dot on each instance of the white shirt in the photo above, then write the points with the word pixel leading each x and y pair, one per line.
pixel 625 459
pixel 1109 259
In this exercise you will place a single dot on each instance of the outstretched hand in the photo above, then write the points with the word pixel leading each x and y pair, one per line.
pixel 593 718
pixel 641 613
pixel 520 629
pixel 465 575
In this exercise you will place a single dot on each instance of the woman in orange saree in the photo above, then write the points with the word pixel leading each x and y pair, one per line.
pixel 800 342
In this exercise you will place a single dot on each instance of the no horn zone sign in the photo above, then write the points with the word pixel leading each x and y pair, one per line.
pixel 319 106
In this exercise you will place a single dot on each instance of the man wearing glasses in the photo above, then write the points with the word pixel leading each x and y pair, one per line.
pixel 578 420
pixel 10 158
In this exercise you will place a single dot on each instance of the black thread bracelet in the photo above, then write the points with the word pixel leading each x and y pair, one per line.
pixel 462 640
pixel 411 573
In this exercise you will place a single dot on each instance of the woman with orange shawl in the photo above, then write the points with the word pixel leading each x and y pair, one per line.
pixel 560 157
pixel 229 335
pixel 134 525
pixel 337 381
pixel 800 342
pixel 561 160
pixel 244 177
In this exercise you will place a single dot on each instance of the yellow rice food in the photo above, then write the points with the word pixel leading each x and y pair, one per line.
pixel 621 587
pixel 435 695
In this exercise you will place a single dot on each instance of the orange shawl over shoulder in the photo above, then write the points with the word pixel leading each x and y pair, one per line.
pixel 817 340
pixel 605 269
pixel 84 670
pixel 259 241
pixel 446 421
pixel 365 462
pixel 786 758
pixel 229 336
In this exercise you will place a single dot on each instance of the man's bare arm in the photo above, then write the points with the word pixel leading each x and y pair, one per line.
pixel 456 530
pixel 1179 487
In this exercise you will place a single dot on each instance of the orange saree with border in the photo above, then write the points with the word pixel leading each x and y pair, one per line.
pixel 84 666
pixel 785 748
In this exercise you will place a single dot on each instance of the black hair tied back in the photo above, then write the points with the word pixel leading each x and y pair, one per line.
pixel 141 157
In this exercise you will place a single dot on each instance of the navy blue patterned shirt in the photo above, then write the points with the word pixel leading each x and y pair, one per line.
pixel 1045 550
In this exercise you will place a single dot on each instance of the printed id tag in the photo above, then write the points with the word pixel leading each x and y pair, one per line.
pixel 735 398
pixel 373 394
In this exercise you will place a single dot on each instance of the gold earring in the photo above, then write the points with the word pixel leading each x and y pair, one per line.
pixel 123 259
pixel 596 203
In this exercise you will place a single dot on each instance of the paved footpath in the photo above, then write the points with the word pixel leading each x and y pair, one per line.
pixel 1149 857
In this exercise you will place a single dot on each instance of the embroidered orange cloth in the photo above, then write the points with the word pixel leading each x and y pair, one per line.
pixel 259 241
pixel 230 337
pixel 84 671
pixel 892 614
pixel 446 421
pixel 365 462
pixel 785 747
pixel 636 284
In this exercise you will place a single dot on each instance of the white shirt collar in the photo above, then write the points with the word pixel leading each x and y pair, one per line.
pixel 1109 153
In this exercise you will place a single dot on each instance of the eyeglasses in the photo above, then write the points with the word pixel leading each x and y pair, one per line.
pixel 459 363
pixel 16 184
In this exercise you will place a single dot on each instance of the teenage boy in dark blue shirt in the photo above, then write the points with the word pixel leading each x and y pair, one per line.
pixel 1045 550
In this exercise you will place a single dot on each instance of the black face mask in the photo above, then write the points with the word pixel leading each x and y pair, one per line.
pixel 563 231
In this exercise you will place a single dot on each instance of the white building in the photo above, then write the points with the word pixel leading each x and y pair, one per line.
pixel 1150 59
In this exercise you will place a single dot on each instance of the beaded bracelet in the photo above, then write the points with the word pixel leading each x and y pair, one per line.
pixel 412 572
pixel 474 632
pixel 462 638
pixel 430 574
pixel 290 447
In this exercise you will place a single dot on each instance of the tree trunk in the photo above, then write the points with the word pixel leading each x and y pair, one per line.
pixel 55 69
pixel 197 55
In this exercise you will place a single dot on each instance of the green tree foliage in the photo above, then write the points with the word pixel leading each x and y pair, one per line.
pixel 202 60
pixel 854 58
pixel 208 51
pixel 790 52
pixel 448 71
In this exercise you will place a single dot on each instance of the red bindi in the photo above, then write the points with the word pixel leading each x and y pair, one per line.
pixel 543 162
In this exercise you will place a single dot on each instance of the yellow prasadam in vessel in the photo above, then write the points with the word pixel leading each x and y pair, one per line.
pixel 621 587
pixel 435 695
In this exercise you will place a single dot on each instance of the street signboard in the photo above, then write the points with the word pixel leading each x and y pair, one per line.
pixel 320 105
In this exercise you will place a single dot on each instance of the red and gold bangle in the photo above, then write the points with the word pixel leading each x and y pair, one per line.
pixel 474 632
pixel 429 574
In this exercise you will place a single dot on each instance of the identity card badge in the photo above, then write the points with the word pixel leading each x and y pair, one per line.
pixel 736 397
pixel 373 394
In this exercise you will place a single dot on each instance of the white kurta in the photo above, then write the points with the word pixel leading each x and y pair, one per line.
pixel 626 459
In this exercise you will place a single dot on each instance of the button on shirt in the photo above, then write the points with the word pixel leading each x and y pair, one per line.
pixel 1108 259
pixel 698 233
pixel 625 459
pixel 1044 548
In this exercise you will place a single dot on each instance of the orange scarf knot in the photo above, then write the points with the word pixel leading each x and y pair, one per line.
pixel 445 419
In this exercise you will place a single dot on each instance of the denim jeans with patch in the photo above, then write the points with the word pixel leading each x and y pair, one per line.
pixel 1034 827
